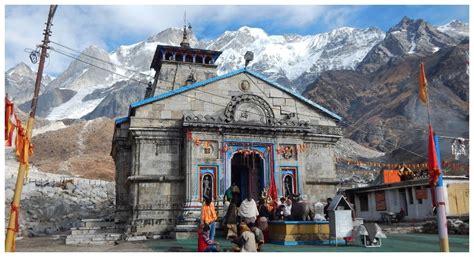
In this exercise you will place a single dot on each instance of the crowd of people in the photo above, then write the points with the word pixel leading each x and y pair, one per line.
pixel 245 222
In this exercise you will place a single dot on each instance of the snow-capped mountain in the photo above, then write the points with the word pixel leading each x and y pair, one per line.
pixel 409 37
pixel 80 74
pixel 138 57
pixel 288 57
pixel 292 60
pixel 455 29
pixel 381 96
pixel 20 83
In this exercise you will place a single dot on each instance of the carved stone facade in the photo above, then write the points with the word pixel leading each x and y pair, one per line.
pixel 176 147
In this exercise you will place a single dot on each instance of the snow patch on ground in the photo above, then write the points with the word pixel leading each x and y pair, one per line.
pixel 413 45
pixel 75 108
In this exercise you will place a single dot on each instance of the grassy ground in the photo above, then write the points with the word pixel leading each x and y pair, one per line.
pixel 394 243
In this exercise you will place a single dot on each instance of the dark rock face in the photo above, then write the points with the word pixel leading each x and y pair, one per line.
pixel 383 107
pixel 117 99
pixel 49 100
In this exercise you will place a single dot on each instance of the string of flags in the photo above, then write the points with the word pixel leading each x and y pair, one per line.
pixel 416 166
pixel 15 132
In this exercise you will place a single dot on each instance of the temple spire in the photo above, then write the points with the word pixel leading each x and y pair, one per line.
pixel 185 42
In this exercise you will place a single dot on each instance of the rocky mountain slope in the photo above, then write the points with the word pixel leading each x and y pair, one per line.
pixel 408 37
pixel 80 149
pixel 380 98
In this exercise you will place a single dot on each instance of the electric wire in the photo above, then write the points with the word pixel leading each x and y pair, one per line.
pixel 102 60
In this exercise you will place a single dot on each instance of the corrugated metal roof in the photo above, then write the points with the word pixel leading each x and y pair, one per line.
pixel 227 75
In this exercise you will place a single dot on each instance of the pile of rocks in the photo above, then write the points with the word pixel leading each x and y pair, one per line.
pixel 455 227
pixel 51 204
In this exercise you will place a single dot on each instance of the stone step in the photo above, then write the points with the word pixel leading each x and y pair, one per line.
pixel 194 220
pixel 94 231
pixel 105 236
pixel 96 239
pixel 97 228
pixel 186 226
pixel 98 224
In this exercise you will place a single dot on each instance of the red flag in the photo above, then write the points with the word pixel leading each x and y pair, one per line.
pixel 272 191
pixel 189 135
pixel 433 168
pixel 422 90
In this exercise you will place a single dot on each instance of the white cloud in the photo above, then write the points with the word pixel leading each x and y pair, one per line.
pixel 82 26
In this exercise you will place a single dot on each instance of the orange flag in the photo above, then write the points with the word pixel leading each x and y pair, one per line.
pixel 24 148
pixel 9 127
pixel 422 90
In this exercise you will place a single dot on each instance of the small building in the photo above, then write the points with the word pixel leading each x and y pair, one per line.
pixel 414 196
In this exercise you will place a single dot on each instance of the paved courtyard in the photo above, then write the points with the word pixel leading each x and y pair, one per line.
pixel 394 243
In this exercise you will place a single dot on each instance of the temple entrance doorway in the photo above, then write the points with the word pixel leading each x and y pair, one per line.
pixel 247 173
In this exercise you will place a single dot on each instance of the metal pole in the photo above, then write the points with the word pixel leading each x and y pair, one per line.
pixel 13 225
pixel 439 192
pixel 441 205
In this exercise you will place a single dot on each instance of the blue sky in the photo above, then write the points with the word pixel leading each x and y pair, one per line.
pixel 112 26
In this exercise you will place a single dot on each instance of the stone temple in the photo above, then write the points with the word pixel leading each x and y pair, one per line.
pixel 196 133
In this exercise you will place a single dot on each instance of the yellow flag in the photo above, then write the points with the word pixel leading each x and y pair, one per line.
pixel 423 84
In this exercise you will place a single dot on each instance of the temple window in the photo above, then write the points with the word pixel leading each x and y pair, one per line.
pixel 179 57
pixel 199 59
pixel 169 56
pixel 188 58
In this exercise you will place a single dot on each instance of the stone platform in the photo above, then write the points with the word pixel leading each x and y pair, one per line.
pixel 299 232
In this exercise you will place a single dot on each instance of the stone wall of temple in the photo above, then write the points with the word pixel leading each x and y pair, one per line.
pixel 121 152
pixel 218 94
pixel 173 75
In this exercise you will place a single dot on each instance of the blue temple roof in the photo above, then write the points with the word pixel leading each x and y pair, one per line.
pixel 121 120
pixel 224 76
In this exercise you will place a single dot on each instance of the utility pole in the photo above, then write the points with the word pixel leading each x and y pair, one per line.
pixel 13 223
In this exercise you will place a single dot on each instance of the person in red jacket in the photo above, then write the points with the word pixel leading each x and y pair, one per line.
pixel 205 244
